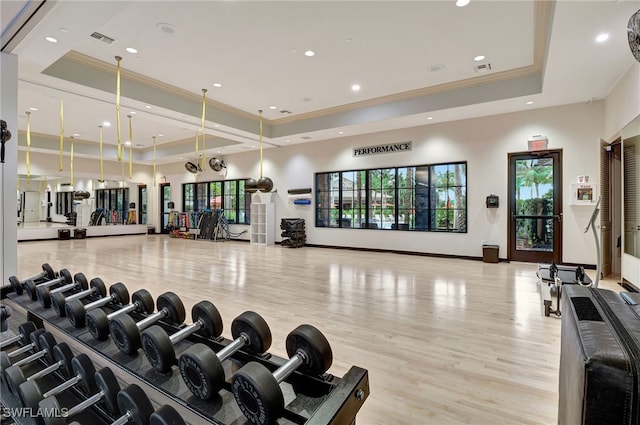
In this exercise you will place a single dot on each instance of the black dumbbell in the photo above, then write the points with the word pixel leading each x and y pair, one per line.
pixel 108 394
pixel 83 374
pixel 134 405
pixel 5 357
pixel 31 287
pixel 96 288
pixel 166 415
pixel 125 332
pixel 24 330
pixel 43 343
pixel 257 391
pixel 44 293
pixel 47 273
pixel 62 356
pixel 76 310
pixel 201 368
pixel 98 321
pixel 158 345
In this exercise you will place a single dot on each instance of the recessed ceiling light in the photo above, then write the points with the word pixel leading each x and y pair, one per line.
pixel 147 106
pixel 340 132
pixel 127 143
pixel 530 102
pixel 462 3
pixel 429 118
pixel 288 140
pixel 76 134
pixel 479 58
pixel 273 107
pixel 253 146
pixel 216 125
pixel 348 40
pixel 106 124
pixel 132 112
pixel 51 39
pixel 132 50
pixel 218 85
pixel 436 68
pixel 355 87
pixel 166 28
pixel 160 135
pixel 33 109
pixel 309 53
pixel 601 38
pixel 63 29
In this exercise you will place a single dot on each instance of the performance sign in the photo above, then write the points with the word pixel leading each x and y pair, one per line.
pixel 389 148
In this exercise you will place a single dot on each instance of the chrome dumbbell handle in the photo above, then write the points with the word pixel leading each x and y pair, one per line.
pixel 33 357
pixel 153 318
pixel 232 348
pixel 290 366
pixel 67 384
pixel 186 331
pixel 124 310
pixel 47 370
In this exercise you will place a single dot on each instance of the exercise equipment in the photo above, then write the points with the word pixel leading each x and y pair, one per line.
pixel 201 368
pixel 18 286
pixel 5 357
pixel 98 321
pixel 257 390
pixel 552 277
pixel 125 332
pixel 76 310
pixel 62 356
pixel 96 288
pixel 134 406
pixel 83 375
pixel 166 415
pixel 44 293
pixel 158 346
pixel 42 343
pixel 24 330
pixel 108 392
pixel 31 286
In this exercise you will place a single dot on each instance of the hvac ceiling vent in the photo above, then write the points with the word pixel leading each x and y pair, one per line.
pixel 102 38
pixel 481 68
pixel 284 111
pixel 306 137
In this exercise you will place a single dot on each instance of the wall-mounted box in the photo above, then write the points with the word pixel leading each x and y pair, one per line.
pixel 584 193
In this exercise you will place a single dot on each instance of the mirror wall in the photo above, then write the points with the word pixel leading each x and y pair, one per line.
pixel 631 178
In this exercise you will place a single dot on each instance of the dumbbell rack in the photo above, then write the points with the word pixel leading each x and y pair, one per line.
pixel 309 400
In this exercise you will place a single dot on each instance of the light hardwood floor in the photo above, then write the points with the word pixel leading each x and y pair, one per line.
pixel 445 341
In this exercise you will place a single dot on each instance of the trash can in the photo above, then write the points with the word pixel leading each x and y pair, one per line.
pixel 79 233
pixel 64 234
pixel 490 253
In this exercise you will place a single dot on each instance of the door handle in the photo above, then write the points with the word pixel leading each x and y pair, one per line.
pixel 604 228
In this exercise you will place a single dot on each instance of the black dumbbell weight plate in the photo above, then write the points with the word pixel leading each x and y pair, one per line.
pixel 256 330
pixel 144 298
pixel 174 306
pixel 54 410
pixel 201 371
pixel 98 324
pixel 135 401
pixel 42 341
pixel 15 285
pixel 74 311
pixel 315 346
pixel 25 329
pixel 51 274
pixel 108 384
pixel 5 360
pixel 166 415
pixel 158 348
pixel 125 334
pixel 258 394
pixel 120 293
pixel 206 312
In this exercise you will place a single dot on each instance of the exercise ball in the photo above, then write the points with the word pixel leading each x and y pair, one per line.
pixel 265 184
pixel 251 185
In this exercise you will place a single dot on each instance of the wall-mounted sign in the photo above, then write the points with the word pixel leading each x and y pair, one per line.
pixel 389 148
pixel 538 143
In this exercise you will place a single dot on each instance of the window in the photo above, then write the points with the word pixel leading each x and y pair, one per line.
pixel 228 195
pixel 423 198
pixel 115 202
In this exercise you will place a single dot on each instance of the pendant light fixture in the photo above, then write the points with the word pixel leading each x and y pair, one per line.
pixel 264 184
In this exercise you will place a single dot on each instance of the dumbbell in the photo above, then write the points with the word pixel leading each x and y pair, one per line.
pixel 24 330
pixel 5 357
pixel 98 321
pixel 83 374
pixel 59 300
pixel 108 394
pixel 31 287
pixel 62 356
pixel 18 286
pixel 76 310
pixel 158 345
pixel 166 415
pixel 125 332
pixel 42 342
pixel 201 367
pixel 257 391
pixel 44 293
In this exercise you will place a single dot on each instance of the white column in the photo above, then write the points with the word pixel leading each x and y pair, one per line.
pixel 9 170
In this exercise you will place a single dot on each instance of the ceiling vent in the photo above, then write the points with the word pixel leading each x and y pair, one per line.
pixel 481 68
pixel 306 137
pixel 284 111
pixel 102 38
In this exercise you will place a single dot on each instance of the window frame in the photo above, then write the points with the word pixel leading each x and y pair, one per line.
pixel 191 195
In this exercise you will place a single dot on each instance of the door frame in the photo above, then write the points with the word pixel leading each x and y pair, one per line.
pixel 536 256
pixel 163 229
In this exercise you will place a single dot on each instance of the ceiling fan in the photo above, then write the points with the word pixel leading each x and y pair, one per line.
pixel 218 165
pixel 633 32
pixel 193 168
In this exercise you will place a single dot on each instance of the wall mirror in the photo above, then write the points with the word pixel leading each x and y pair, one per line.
pixel 631 178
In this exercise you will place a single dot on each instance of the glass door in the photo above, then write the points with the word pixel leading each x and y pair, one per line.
pixel 535 207
pixel 142 203
pixel 165 208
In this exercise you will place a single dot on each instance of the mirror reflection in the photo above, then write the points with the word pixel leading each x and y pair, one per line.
pixel 631 176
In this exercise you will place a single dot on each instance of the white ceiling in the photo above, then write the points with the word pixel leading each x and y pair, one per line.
pixel 538 51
